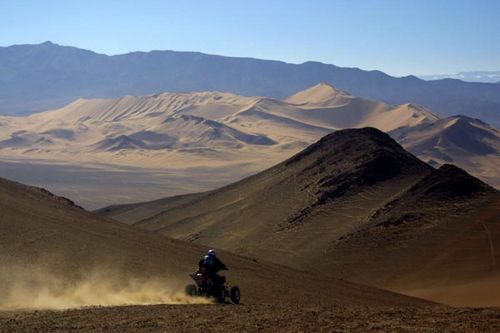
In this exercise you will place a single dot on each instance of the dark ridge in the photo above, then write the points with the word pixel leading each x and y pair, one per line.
pixel 450 182
pixel 343 137
pixel 446 184
pixel 382 167
pixel 347 161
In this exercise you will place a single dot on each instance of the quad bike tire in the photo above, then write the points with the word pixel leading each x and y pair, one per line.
pixel 235 295
pixel 221 296
pixel 191 290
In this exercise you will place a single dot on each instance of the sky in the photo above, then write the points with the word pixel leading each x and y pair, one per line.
pixel 399 37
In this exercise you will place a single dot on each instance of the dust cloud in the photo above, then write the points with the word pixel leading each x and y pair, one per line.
pixel 36 288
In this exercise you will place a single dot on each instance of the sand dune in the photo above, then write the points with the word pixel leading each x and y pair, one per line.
pixel 355 205
pixel 326 105
pixel 467 142
pixel 321 94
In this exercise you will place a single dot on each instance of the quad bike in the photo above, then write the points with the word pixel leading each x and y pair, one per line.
pixel 205 287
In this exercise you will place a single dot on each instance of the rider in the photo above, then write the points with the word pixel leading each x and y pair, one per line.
pixel 212 266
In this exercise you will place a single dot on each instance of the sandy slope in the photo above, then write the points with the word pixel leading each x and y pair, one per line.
pixel 220 132
pixel 326 105
pixel 355 205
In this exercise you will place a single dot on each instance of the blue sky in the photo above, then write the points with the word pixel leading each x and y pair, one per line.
pixel 399 37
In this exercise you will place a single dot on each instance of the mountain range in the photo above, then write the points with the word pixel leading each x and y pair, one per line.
pixel 47 76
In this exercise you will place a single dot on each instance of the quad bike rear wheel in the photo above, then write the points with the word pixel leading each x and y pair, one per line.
pixel 191 290
pixel 235 295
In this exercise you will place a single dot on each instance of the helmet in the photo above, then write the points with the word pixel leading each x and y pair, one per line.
pixel 211 253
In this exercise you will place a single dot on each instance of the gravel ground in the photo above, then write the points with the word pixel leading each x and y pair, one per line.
pixel 253 318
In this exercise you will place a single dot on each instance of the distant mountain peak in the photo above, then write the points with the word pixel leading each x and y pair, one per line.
pixel 46 45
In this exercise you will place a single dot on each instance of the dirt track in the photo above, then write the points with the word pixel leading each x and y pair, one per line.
pixel 253 318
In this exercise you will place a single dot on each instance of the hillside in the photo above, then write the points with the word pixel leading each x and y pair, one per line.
pixel 47 76
pixel 312 211
pixel 54 254
pixel 438 240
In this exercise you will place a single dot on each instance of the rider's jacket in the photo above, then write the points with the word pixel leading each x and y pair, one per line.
pixel 212 264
